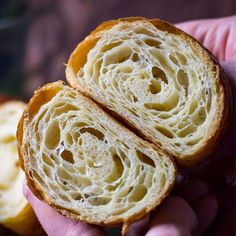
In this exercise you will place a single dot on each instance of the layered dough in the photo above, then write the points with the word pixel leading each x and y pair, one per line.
pixel 15 212
pixel 155 79
pixel 158 79
pixel 87 165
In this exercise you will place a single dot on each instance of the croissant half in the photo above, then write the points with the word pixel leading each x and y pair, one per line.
pixel 15 212
pixel 85 164
pixel 159 80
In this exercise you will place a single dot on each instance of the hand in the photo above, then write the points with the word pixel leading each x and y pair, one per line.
pixel 175 217
pixel 54 223
pixel 218 35
pixel 189 212
pixel 193 210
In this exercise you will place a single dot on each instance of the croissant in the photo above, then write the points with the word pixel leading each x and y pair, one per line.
pixel 87 165
pixel 142 92
pixel 160 81
pixel 15 212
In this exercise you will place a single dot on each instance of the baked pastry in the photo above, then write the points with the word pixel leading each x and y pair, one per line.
pixel 159 80
pixel 85 164
pixel 15 212
pixel 161 83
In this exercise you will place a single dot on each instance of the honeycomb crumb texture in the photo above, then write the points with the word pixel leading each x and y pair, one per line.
pixel 85 163
pixel 156 78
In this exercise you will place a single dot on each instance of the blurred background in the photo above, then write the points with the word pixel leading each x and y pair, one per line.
pixel 37 37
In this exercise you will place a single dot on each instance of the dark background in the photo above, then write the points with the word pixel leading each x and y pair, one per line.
pixel 37 37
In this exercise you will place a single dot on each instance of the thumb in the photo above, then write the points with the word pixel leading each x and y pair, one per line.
pixel 56 224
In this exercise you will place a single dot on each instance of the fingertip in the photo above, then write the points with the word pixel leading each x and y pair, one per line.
pixel 214 203
pixel 168 230
pixel 193 191
pixel 206 211
pixel 85 230
pixel 139 227
pixel 175 211
pixel 208 204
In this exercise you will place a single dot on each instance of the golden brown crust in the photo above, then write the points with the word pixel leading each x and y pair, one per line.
pixel 77 60
pixel 41 97
pixel 35 103
pixel 79 56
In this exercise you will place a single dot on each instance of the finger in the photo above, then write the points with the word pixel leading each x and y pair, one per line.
pixel 197 28
pixel 175 211
pixel 230 69
pixel 205 31
pixel 139 227
pixel 193 191
pixel 206 211
pixel 215 34
pixel 168 230
pixel 56 224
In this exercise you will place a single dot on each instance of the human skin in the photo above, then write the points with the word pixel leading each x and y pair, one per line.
pixel 177 216
pixel 192 209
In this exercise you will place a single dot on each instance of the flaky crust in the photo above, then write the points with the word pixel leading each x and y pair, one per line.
pixel 79 57
pixel 41 97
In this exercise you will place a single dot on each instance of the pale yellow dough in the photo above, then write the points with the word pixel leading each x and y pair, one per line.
pixel 15 212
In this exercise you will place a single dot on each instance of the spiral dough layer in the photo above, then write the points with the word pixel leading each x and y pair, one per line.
pixel 88 164
pixel 157 81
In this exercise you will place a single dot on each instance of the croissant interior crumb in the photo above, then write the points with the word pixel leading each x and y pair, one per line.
pixel 156 80
pixel 12 200
pixel 86 163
